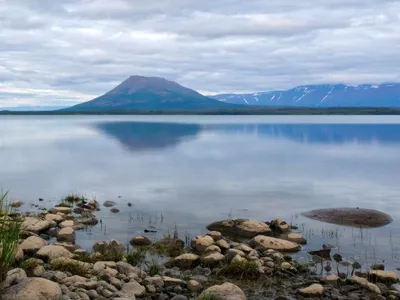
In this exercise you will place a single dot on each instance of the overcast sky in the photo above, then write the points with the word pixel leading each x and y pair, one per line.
pixel 65 52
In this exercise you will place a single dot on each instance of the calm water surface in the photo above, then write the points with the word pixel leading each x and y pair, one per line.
pixel 187 171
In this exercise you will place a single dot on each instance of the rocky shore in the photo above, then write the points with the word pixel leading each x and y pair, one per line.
pixel 237 259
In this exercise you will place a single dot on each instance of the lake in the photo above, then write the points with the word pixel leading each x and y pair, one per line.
pixel 184 172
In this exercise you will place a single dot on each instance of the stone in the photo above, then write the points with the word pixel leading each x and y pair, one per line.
pixel 216 235
pixel 226 291
pixel 194 286
pixel 266 242
pixel 179 297
pixel 114 210
pixel 93 294
pixel 213 248
pixel 13 277
pixel 294 237
pixel 356 217
pixel 169 281
pixel 116 282
pixel 211 258
pixel 107 293
pixel 33 288
pixel 74 279
pixel 378 267
pixel 238 259
pixel 107 247
pixel 140 241
pixel 314 290
pixel 244 248
pixel 279 226
pixel 151 289
pixel 286 266
pixel 222 244
pixel 52 251
pixel 16 203
pixel 35 225
pixel 243 228
pixel 68 245
pixel 38 271
pixel 62 209
pixel 67 223
pixel 32 244
pixel 133 288
pixel 109 204
pixel 54 217
pixel 365 283
pixel 200 243
pixel 384 276
pixel 66 234
pixel 125 268
pixel 156 281
pixel 331 280
pixel 231 253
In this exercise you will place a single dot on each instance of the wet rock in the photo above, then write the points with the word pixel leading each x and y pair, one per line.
pixel 264 242
pixel 184 261
pixel 211 258
pixel 294 237
pixel 114 210
pixel 52 251
pixel 355 217
pixel 32 244
pixel 243 228
pixel 314 290
pixel 66 234
pixel 33 288
pixel 366 284
pixel 140 241
pixel 16 204
pixel 383 276
pixel 35 225
pixel 216 235
pixel 279 226
pixel 109 203
pixel 226 291
pixel 200 243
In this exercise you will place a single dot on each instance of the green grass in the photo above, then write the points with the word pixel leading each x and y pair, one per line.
pixel 74 198
pixel 240 270
pixel 74 267
pixel 10 228
pixel 137 257
pixel 88 258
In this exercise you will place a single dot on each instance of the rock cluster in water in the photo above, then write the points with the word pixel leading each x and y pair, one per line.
pixel 236 260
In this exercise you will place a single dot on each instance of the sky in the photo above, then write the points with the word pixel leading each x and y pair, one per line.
pixel 60 53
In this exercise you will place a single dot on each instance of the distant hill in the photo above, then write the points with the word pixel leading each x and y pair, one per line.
pixel 326 95
pixel 32 108
pixel 150 93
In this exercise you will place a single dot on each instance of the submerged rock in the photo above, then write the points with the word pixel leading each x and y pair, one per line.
pixel 355 217
pixel 109 203
pixel 242 228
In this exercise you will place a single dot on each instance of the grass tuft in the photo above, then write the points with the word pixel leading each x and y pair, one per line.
pixel 240 270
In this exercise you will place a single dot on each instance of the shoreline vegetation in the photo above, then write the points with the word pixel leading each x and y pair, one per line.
pixel 236 259
pixel 241 111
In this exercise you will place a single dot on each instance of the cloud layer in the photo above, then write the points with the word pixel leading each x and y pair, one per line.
pixel 65 52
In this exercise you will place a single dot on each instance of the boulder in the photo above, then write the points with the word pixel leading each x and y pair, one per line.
pixel 32 244
pixel 133 288
pixel 314 290
pixel 66 234
pixel 279 226
pixel 52 252
pixel 222 244
pixel 184 261
pixel 62 209
pixel 106 247
pixel 67 223
pixel 226 291
pixel 231 253
pixel 213 248
pixel 53 217
pixel 212 258
pixel 200 243
pixel 16 203
pixel 33 288
pixel 265 242
pixel 384 276
pixel 216 235
pixel 109 203
pixel 294 237
pixel 140 241
pixel 242 228
pixel 365 284
pixel 13 277
pixel 35 225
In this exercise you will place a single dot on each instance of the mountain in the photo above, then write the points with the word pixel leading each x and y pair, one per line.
pixel 326 95
pixel 150 93
pixel 32 108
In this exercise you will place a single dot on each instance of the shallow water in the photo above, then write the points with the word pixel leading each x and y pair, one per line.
pixel 186 171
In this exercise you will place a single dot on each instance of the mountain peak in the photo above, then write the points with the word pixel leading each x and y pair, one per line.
pixel 151 93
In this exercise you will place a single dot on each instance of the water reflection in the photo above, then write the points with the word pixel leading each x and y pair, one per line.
pixel 141 136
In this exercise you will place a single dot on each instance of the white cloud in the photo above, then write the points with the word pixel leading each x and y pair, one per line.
pixel 70 51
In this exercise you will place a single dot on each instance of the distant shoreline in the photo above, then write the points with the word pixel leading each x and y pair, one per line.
pixel 242 111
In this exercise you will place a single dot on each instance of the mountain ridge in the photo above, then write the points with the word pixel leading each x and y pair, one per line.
pixel 322 95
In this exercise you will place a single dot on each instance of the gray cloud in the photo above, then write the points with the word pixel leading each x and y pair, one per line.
pixel 64 52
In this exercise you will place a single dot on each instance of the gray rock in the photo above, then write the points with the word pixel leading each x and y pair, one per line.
pixel 13 277
pixel 133 289
pixel 92 294
pixel 107 293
